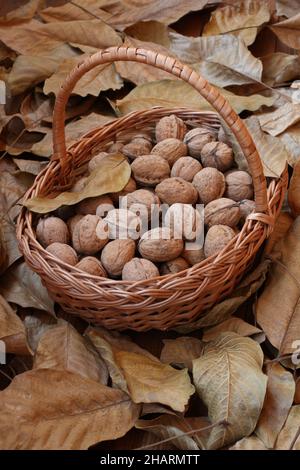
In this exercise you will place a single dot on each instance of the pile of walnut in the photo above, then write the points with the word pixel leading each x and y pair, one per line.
pixel 180 168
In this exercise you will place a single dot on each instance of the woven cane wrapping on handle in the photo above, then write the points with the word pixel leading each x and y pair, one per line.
pixel 184 72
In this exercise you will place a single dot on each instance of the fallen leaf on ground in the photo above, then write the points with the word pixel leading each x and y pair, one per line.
pixel 294 190
pixel 12 330
pixel 249 443
pixel 71 11
pixel 181 351
pixel 36 325
pixel 279 68
pixel 229 379
pixel 281 227
pixel 289 438
pixel 278 121
pixel 288 31
pixel 22 13
pixel 235 325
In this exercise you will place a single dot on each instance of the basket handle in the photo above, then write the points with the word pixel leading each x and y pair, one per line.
pixel 173 66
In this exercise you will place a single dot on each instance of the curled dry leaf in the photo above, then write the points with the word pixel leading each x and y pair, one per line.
pixel 12 330
pixel 287 8
pixel 278 401
pixel 229 379
pixel 61 410
pixel 110 176
pixel 249 443
pixel 36 325
pixel 279 68
pixel 278 121
pixel 289 438
pixel 288 31
pixel 135 370
pixel 22 13
pixel 63 348
pixel 235 325
pixel 281 294
pixel 181 351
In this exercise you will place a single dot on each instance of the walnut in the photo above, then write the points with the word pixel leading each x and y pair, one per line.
pixel 78 187
pixel 116 147
pixel 193 254
pixel 149 170
pixel 217 155
pixel 210 184
pixel 174 266
pixel 139 269
pixel 129 188
pixel 159 245
pixel 222 211
pixel 116 254
pixel 186 168
pixel 91 204
pixel 173 190
pixel 63 252
pixel 138 146
pixel 123 223
pixel 96 161
pixel 246 207
pixel 72 221
pixel 52 229
pixel 170 127
pixel 170 149
pixel 238 185
pixel 142 202
pixel 90 234
pixel 91 265
pixel 217 238
pixel 196 139
pixel 184 220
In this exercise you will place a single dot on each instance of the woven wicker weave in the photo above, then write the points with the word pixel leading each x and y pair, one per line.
pixel 161 302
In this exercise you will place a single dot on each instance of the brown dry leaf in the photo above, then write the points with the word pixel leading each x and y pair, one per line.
pixel 278 401
pixel 229 379
pixel 12 330
pixel 281 227
pixel 36 325
pixel 289 438
pixel 22 13
pixel 34 167
pixel 281 294
pixel 101 78
pixel 235 325
pixel 242 18
pixel 294 191
pixel 150 31
pixel 72 12
pixel 63 348
pixel 288 31
pixel 287 8
pixel 279 68
pixel 181 351
pixel 297 392
pixel 278 121
pixel 146 378
pixel 175 93
pixel 227 307
pixel 291 140
pixel 61 410
pixel 111 176
pixel 249 443
pixel 24 287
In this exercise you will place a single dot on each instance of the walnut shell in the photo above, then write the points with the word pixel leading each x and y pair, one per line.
pixel 159 245
pixel 142 202
pixel 217 237
pixel 116 254
pixel 51 230
pixel 139 269
pixel 192 254
pixel 217 155
pixel 222 211
pixel 90 234
pixel 91 204
pixel 184 220
pixel 174 266
pixel 173 190
pixel 129 188
pixel 135 148
pixel 170 149
pixel 149 170
pixel 116 147
pixel 247 206
pixel 63 252
pixel 196 139
pixel 91 265
pixel 72 221
pixel 186 168
pixel 96 161
pixel 170 127
pixel 210 184
pixel 123 224
pixel 238 185
pixel 78 187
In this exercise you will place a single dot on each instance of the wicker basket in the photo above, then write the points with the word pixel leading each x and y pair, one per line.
pixel 161 302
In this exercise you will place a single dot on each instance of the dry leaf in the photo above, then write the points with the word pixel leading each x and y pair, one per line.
pixel 291 141
pixel 294 191
pixel 111 176
pixel 181 351
pixel 146 378
pixel 22 13
pixel 150 31
pixel 249 443
pixel 278 121
pixel 289 438
pixel 278 401
pixel 175 93
pixel 297 392
pixel 12 330
pixel 73 12
pixel 288 31
pixel 63 348
pixel 34 167
pixel 61 410
pixel 36 325
pixel 287 7
pixel 279 68
pixel 24 287
pixel 228 378
pixel 281 227
pixel 243 17
pixel 281 294
pixel 235 325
